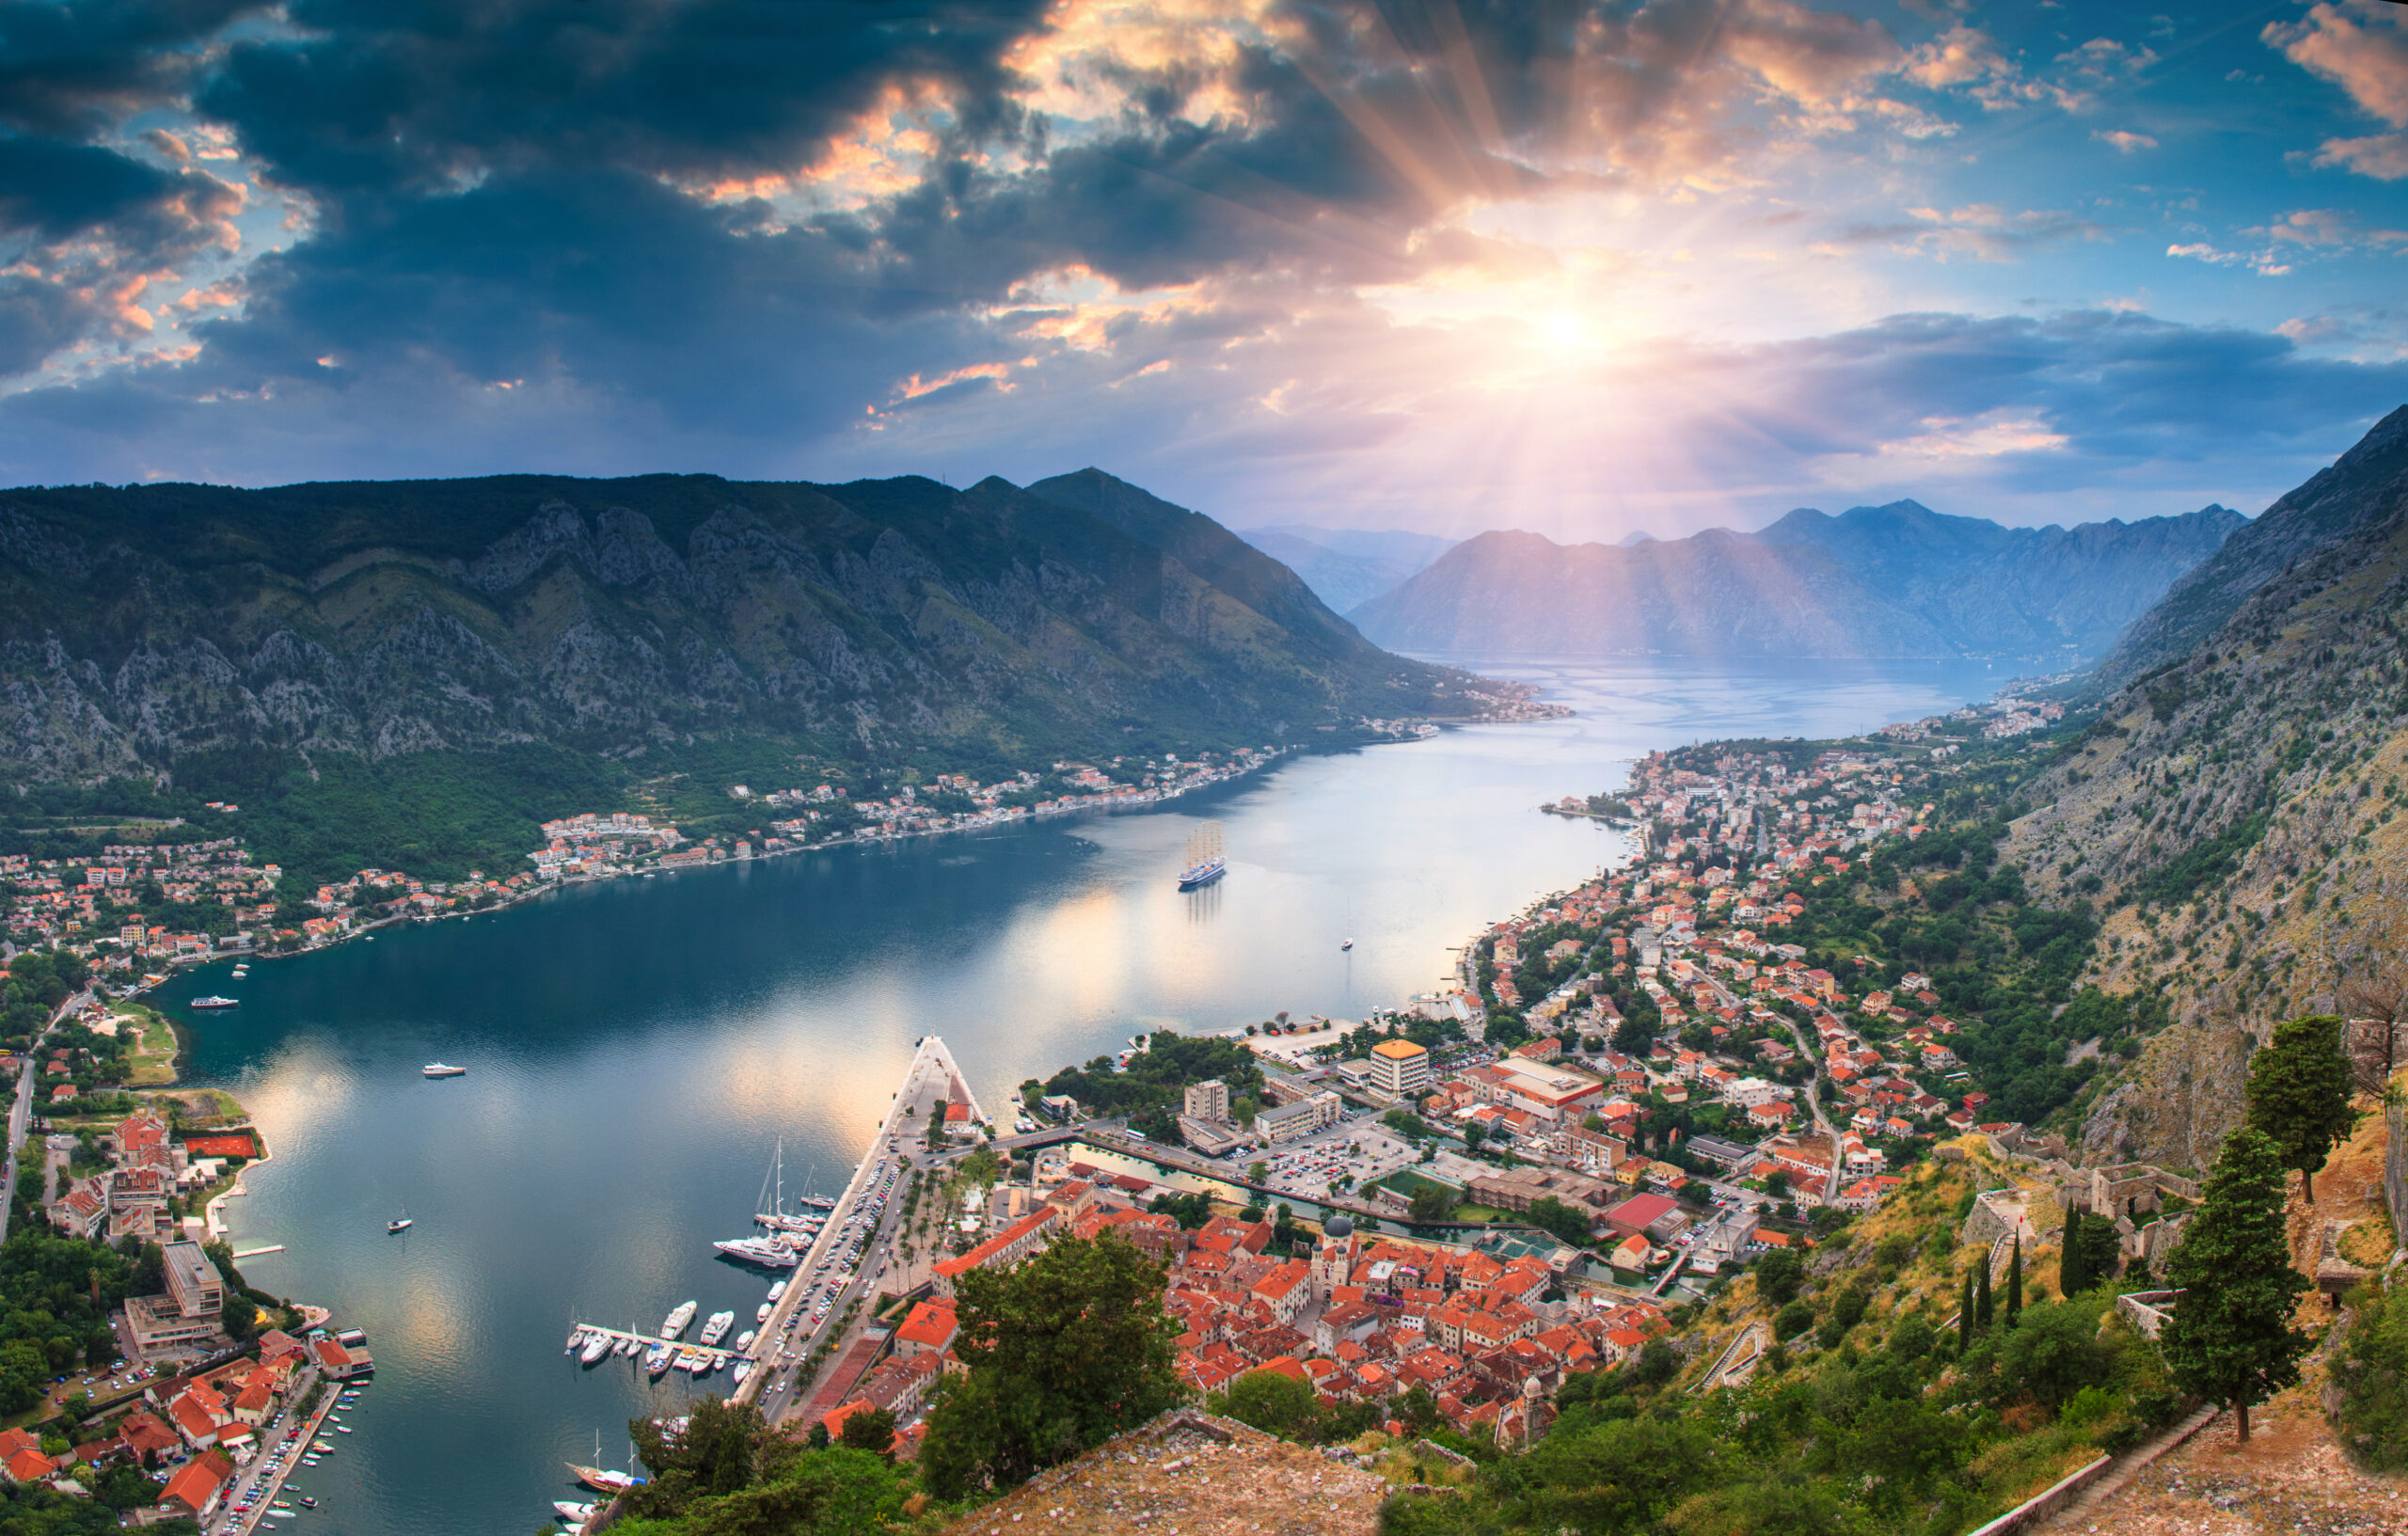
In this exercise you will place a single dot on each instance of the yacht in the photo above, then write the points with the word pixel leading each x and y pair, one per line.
pixel 817 1202
pixel 758 1250
pixel 677 1320
pixel 436 1069
pixel 743 1369
pixel 761 1313
pixel 576 1341
pixel 777 1290
pixel 716 1327
pixel 575 1513
pixel 241 972
pixel 656 1361
pixel 597 1345
pixel 627 1345
pixel 214 1001
pixel 744 1340
pixel 399 1223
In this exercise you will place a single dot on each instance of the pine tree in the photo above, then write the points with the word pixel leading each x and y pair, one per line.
pixel 2073 1273
pixel 2015 1282
pixel 1982 1309
pixel 2230 1338
pixel 2298 1094
pixel 1965 1314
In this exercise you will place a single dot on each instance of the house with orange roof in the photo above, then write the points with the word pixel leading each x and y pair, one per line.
pixel 1005 1249
pixel 197 1485
pixel 146 1437
pixel 1286 1289
pixel 928 1329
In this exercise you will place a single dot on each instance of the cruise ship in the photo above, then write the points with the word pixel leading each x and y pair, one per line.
pixel 716 1328
pixel 1204 861
pixel 758 1250
pixel 677 1320
pixel 436 1069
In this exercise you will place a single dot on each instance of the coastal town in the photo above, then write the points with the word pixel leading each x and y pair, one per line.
pixel 1637 1089
pixel 134 910
pixel 1434 1218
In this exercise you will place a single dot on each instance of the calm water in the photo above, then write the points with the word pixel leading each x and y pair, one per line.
pixel 635 1047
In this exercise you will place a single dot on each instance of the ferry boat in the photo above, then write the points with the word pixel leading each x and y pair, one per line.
pixel 715 1328
pixel 597 1345
pixel 675 1323
pixel 436 1069
pixel 758 1250
pixel 214 1001
pixel 1204 861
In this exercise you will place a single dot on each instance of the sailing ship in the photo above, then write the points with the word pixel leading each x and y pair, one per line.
pixel 1204 861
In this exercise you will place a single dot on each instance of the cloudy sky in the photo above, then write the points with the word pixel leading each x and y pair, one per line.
pixel 1582 267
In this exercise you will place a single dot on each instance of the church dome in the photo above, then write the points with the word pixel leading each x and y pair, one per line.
pixel 1339 1228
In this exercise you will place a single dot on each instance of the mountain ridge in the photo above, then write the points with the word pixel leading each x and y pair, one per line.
pixel 142 624
pixel 1891 581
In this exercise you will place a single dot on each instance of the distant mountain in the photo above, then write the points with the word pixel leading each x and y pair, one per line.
pixel 2360 490
pixel 144 626
pixel 1898 580
pixel 1347 568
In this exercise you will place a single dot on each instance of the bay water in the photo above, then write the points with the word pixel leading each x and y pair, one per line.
pixel 635 1049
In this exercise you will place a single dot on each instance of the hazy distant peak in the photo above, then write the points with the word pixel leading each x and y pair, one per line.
pixel 1635 538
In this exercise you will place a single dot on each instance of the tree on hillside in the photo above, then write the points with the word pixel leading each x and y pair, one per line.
pixel 869 1429
pixel 2015 1282
pixel 1063 1350
pixel 1271 1402
pixel 2087 1253
pixel 1779 1274
pixel 2299 1095
pixel 1965 1314
pixel 2230 1337
pixel 1982 1305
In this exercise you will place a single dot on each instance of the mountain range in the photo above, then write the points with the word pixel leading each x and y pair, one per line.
pixel 1891 581
pixel 141 626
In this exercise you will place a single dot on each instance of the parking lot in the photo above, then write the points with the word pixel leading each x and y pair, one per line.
pixel 1358 1151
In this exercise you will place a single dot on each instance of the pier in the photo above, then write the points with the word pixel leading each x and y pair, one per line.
pixel 719 1356
pixel 932 1078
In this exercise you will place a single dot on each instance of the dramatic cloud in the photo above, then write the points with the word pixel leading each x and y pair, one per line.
pixel 1635 260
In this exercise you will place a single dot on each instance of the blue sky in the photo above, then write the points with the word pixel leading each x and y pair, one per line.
pixel 1579 267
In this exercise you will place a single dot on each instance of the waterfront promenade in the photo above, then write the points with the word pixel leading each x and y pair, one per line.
pixel 778 1386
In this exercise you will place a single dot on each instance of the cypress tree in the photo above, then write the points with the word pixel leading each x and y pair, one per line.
pixel 2298 1094
pixel 2073 1275
pixel 1982 1309
pixel 1965 1314
pixel 2015 1282
pixel 2230 1338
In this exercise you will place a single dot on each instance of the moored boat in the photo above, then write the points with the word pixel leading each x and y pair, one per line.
pixel 597 1345
pixel 677 1319
pixel 436 1069
pixel 214 1001
pixel 716 1327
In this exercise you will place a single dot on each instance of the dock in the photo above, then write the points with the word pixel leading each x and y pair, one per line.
pixel 930 1058
pixel 721 1357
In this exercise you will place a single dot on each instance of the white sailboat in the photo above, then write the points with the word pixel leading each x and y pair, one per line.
pixel 1204 864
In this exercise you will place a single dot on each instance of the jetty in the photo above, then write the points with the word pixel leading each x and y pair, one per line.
pixel 931 1060
pixel 719 1358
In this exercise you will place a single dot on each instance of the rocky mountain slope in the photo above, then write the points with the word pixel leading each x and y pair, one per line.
pixel 2333 504
pixel 143 625
pixel 1898 580
pixel 2244 803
